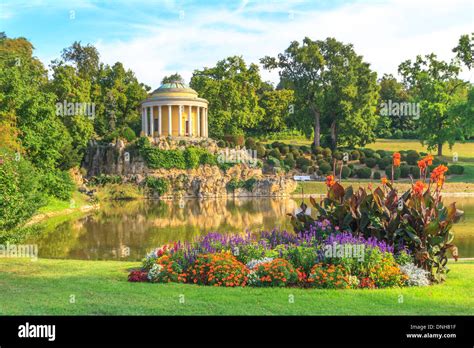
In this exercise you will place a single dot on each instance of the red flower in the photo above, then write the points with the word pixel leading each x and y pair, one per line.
pixel 330 180
pixel 396 159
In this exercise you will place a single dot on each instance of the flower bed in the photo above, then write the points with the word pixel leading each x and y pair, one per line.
pixel 361 239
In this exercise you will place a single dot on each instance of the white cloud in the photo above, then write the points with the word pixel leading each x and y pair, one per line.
pixel 384 33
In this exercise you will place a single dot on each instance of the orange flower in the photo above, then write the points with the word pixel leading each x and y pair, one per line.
pixel 422 165
pixel 384 180
pixel 428 159
pixel 330 180
pixel 437 175
pixel 418 188
pixel 396 159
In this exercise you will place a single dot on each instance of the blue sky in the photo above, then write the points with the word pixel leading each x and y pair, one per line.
pixel 157 38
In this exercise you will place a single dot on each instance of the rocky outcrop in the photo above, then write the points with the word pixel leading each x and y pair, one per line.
pixel 205 181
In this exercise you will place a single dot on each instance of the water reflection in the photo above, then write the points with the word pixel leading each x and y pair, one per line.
pixel 127 230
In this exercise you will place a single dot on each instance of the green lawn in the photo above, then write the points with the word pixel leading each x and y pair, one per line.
pixel 101 288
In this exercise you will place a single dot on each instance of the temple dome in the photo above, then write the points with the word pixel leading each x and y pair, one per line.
pixel 174 89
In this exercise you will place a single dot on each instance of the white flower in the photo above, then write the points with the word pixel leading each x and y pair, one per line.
pixel 416 275
pixel 154 272
pixel 254 263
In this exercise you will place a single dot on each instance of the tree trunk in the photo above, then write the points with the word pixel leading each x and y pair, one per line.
pixel 440 149
pixel 333 135
pixel 317 129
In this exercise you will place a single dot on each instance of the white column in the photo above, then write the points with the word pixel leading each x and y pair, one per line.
pixel 152 123
pixel 146 120
pixel 180 118
pixel 159 120
pixel 143 120
pixel 170 128
pixel 190 121
pixel 199 121
pixel 205 123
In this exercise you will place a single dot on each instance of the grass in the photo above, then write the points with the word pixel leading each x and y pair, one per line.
pixel 54 204
pixel 48 286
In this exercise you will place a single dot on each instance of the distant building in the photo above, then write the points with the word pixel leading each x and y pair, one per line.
pixel 174 109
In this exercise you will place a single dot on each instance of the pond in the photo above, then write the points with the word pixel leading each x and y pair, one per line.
pixel 126 230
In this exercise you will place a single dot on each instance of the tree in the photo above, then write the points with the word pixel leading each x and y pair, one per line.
pixel 435 85
pixel 278 106
pixel 301 67
pixel 173 78
pixel 393 91
pixel 231 87
pixel 85 59
pixel 333 86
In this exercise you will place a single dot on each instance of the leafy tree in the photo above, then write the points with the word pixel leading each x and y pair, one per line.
pixel 301 67
pixel 435 85
pixel 85 59
pixel 333 85
pixel 278 106
pixel 173 78
pixel 231 87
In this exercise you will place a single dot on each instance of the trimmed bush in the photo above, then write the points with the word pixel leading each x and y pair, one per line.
pixel 290 162
pixel 404 171
pixel 456 169
pixel 355 155
pixel 250 143
pixel 369 153
pixel 384 162
pixel 370 162
pixel 413 157
pixel 415 172
pixel 327 153
pixel 396 173
pixel 364 173
pixel 382 153
pixel 303 161
pixel 261 150
pixel 275 153
pixel 325 168
pixel 346 172
pixel 337 155
pixel 377 175
pixel 318 150
pixel 128 134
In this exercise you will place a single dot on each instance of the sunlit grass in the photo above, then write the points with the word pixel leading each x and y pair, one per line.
pixel 67 287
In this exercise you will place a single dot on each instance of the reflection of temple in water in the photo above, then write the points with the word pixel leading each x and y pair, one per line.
pixel 127 230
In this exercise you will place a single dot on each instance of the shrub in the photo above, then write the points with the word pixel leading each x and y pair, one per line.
pixel 346 171
pixel 369 153
pixel 377 176
pixel 382 153
pixel 355 155
pixel 302 257
pixel 20 190
pixel 318 150
pixel 261 151
pixel 166 270
pixel 157 185
pixel 275 153
pixel 220 269
pixel 398 134
pixel 329 276
pixel 384 162
pixel 456 169
pixel 234 139
pixel 412 157
pixel 278 272
pixel 138 276
pixel 370 162
pixel 58 184
pixel 250 143
pixel 404 171
pixel 327 153
pixel 415 172
pixel 274 162
pixel 290 162
pixel 284 149
pixel 325 168
pixel 221 143
pixel 303 161
pixel 337 155
pixel 396 172
pixel 416 275
pixel 364 173
pixel 128 134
